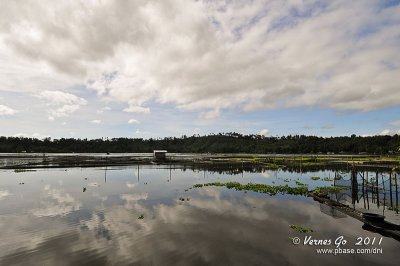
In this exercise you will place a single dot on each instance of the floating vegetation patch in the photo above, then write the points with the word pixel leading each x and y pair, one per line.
pixel 328 179
pixel 214 184
pixel 325 190
pixel 300 229
pixel 23 170
pixel 273 166
pixel 260 188
pixel 315 178
pixel 312 163
pixel 299 183
pixel 141 217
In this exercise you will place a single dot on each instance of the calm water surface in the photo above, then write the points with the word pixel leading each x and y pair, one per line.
pixel 91 217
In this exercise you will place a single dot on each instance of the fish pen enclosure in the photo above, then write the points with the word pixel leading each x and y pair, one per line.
pixel 365 188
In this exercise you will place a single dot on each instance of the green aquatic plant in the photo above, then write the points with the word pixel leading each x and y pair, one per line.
pixel 23 170
pixel 328 179
pixel 215 184
pixel 315 178
pixel 299 183
pixel 300 229
pixel 233 185
pixel 312 163
pixel 273 166
pixel 325 190
pixel 261 188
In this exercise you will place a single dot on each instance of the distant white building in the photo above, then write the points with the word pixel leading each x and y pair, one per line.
pixel 159 154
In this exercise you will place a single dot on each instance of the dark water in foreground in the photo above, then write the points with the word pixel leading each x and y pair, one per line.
pixel 91 217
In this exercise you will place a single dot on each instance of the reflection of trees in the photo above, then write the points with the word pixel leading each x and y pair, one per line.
pixel 257 168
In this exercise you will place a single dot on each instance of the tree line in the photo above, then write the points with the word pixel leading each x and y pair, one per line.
pixel 213 143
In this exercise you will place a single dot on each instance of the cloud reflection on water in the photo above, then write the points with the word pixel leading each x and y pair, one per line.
pixel 211 228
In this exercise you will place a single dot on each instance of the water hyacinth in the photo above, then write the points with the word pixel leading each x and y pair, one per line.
pixel 260 188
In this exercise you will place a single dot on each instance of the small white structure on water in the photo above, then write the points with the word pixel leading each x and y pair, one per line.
pixel 159 154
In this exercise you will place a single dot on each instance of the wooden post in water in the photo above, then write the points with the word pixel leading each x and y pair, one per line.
pixel 301 161
pixel 384 193
pixel 390 189
pixel 372 191
pixel 170 165
pixel 334 185
pixel 397 193
pixel 363 188
pixel 242 168
pixel 105 175
pixel 377 189
pixel 366 180
pixel 354 186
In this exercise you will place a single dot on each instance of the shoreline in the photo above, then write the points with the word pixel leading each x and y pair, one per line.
pixel 267 161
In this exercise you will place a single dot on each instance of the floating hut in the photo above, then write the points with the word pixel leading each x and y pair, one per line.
pixel 159 155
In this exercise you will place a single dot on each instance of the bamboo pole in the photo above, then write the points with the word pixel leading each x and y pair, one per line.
pixel 397 194
pixel 138 173
pixel 390 189
pixel 363 189
pixel 384 193
pixel 366 180
pixel 377 189
pixel 354 192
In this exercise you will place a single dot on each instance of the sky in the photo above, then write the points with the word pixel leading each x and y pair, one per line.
pixel 149 69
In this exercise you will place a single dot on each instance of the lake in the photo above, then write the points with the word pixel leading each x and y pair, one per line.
pixel 152 215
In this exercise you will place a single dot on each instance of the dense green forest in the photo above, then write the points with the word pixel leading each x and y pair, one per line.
pixel 215 143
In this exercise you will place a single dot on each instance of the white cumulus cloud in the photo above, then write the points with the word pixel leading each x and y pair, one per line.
pixel 61 104
pixel 206 55
pixel 33 135
pixel 133 121
pixel 264 132
pixel 210 114
pixel 5 110
pixel 389 132
pixel 137 109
